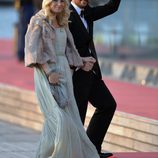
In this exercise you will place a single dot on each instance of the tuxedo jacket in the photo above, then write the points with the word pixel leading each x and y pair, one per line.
pixel 83 37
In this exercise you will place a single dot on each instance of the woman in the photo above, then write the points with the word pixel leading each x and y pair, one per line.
pixel 49 48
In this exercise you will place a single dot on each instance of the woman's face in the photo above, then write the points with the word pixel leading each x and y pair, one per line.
pixel 57 6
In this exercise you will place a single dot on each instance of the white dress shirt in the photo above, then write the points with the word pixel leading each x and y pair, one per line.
pixel 78 10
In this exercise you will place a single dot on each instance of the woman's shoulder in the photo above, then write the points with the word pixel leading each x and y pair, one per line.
pixel 38 18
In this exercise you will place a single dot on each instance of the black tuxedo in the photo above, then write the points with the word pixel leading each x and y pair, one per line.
pixel 88 86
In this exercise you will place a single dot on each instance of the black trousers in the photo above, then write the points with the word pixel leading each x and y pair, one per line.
pixel 89 88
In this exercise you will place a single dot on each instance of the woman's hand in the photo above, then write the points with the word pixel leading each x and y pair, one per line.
pixel 88 63
pixel 54 78
pixel 88 59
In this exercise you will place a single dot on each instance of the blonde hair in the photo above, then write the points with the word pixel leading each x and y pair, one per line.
pixel 62 18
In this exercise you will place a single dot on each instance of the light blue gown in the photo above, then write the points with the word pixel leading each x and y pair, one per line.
pixel 63 135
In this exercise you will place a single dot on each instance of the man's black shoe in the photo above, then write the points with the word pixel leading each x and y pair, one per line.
pixel 105 155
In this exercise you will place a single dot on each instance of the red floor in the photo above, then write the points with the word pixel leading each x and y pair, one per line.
pixel 131 98
pixel 137 155
pixel 135 99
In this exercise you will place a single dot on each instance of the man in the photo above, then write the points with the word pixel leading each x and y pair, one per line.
pixel 88 83
pixel 26 10
pixel 37 4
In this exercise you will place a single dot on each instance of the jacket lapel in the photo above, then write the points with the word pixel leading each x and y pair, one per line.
pixel 78 20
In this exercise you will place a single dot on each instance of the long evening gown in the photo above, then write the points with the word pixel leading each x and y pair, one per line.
pixel 63 135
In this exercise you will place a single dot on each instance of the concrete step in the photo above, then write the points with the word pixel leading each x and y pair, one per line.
pixel 127 132
pixel 20 142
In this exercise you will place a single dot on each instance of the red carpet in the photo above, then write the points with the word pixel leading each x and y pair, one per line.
pixel 135 99
pixel 137 155
pixel 131 98
pixel 12 72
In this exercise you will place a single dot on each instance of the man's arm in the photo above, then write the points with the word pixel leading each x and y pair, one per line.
pixel 99 12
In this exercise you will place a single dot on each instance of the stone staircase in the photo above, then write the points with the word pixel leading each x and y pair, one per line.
pixel 127 132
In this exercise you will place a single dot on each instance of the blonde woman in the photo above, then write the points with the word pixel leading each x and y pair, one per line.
pixel 50 50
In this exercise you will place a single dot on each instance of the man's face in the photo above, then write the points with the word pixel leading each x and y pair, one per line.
pixel 80 3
